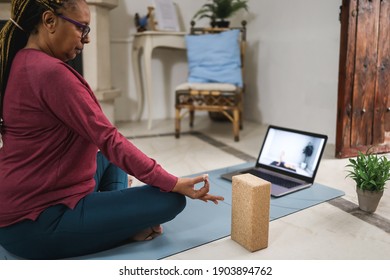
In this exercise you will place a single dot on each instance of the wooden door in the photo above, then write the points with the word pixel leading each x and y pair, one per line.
pixel 363 113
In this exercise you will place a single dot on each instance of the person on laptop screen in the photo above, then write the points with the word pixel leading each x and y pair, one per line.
pixel 281 163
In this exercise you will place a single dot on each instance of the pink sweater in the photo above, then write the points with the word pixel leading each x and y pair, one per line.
pixel 53 129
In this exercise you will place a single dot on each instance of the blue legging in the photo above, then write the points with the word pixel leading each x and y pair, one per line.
pixel 101 220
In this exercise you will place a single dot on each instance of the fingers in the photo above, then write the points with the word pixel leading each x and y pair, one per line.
pixel 186 186
pixel 203 190
pixel 213 198
pixel 201 178
pixel 203 193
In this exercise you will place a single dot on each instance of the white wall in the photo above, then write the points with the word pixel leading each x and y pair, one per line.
pixel 292 62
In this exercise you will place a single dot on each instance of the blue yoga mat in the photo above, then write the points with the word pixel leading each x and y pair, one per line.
pixel 201 222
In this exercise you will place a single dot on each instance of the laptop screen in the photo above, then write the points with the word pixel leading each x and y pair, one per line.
pixel 291 151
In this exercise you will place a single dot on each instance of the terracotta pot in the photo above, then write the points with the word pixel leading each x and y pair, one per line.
pixel 368 201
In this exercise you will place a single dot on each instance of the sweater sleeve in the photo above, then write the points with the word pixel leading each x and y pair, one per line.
pixel 71 100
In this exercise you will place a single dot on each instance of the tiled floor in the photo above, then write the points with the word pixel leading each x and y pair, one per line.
pixel 332 230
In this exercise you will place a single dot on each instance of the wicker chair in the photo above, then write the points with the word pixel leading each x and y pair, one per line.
pixel 224 98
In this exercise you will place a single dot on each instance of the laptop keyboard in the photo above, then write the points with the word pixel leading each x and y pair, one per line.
pixel 274 179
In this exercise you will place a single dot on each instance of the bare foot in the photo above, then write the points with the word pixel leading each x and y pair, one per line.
pixel 148 234
pixel 130 180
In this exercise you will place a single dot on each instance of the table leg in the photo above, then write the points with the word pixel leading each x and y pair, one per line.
pixel 137 78
pixel 147 58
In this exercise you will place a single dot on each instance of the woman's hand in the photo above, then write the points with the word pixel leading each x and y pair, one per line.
pixel 186 186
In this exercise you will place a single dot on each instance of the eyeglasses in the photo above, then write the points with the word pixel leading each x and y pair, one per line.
pixel 85 29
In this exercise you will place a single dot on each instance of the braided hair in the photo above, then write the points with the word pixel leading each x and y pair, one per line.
pixel 25 17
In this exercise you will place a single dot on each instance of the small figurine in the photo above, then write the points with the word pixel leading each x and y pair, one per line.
pixel 141 23
pixel 146 22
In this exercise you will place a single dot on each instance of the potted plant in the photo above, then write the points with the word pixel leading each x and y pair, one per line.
pixel 307 151
pixel 220 10
pixel 370 173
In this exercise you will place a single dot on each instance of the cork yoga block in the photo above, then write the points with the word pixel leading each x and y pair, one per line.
pixel 250 211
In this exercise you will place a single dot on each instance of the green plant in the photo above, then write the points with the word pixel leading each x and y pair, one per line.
pixel 369 171
pixel 220 9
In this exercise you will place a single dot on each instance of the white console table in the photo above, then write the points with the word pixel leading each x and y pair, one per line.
pixel 146 42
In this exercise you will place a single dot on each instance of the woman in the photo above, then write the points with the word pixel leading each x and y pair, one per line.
pixel 59 196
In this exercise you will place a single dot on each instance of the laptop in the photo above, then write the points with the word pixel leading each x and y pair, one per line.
pixel 288 159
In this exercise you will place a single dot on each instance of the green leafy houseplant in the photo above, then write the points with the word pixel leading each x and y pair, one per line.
pixel 220 9
pixel 370 173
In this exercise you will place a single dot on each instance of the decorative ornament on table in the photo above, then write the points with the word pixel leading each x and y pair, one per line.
pixel 146 22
